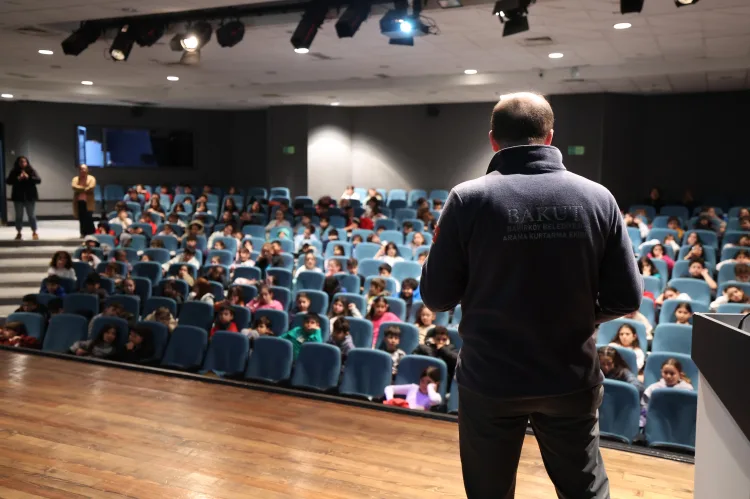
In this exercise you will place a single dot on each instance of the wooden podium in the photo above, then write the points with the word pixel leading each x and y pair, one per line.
pixel 722 446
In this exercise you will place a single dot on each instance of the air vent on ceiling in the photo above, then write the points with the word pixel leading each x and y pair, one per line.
pixel 138 103
pixel 382 76
pixel 36 31
pixel 272 96
pixel 536 41
pixel 21 75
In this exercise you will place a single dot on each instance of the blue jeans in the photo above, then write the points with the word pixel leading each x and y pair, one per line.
pixel 29 206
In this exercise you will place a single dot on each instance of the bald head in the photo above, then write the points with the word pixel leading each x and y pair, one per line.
pixel 523 118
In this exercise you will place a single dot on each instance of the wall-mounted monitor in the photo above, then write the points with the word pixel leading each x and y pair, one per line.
pixel 106 147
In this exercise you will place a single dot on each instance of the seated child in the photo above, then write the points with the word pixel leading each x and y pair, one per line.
pixel 101 347
pixel 264 300
pixel 423 257
pixel 163 315
pixel 341 338
pixel 140 346
pixel 301 305
pixel 672 376
pixel 111 310
pixel 698 270
pixel 408 286
pixel 742 272
pixel 420 396
pixel 92 286
pixel 671 293
pixel 169 290
pixel 731 294
pixel 127 287
pixel 377 289
pixel 30 303
pixel 88 256
pixel 55 306
pixel 233 296
pixel 52 286
pixel 391 343
pixel 614 367
pixel 14 334
pixel 683 314
pixel 438 344
pixel 380 313
pixel 308 333
pixel 244 260
pixel 225 321
pixel 425 322
pixel 341 308
pixel 260 327
pixel 626 337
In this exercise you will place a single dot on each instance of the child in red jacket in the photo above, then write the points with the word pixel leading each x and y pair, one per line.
pixel 225 321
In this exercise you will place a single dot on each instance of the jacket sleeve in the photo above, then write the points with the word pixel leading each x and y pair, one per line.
pixel 12 176
pixel 620 283
pixel 445 273
pixel 35 177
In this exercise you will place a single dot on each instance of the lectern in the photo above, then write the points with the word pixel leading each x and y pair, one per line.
pixel 722 443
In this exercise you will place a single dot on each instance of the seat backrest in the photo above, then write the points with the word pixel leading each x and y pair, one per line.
pixel 309 280
pixel 672 418
pixel 675 338
pixel 360 331
pixel 121 325
pixel 186 348
pixel 397 306
pixel 653 284
pixel 732 308
pixel 367 373
pixel 318 367
pixel 628 356
pixel 160 335
pixel 248 273
pixel 159 301
pixel 148 270
pixel 347 247
pixel 349 282
pixel 409 336
pixel 414 195
pixel 392 236
pixel 282 276
pixel 34 323
pixel 227 354
pixel 698 289
pixel 440 194
pixel 620 410
pixel 197 314
pixel 402 214
pixel 81 303
pixel 411 367
pixel 648 310
pixel 131 303
pixel 63 331
pixel 457 314
pixel 386 223
pixel 270 360
pixel 369 267
pixel 675 211
pixel 652 370
pixel 83 269
pixel 158 255
pixel 709 253
pixel 660 234
pixel 441 318
pixel 403 270
pixel 681 269
pixel 279 320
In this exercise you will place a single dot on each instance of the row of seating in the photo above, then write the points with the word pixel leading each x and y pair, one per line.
pixel 683 212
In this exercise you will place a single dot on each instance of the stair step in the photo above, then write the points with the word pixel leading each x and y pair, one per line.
pixel 33 251
pixel 6 310
pixel 16 279
pixel 11 266
pixel 13 295
pixel 42 242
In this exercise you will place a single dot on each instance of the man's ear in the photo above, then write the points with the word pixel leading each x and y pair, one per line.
pixel 548 138
pixel 493 142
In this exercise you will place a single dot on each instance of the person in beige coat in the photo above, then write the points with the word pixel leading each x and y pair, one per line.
pixel 84 204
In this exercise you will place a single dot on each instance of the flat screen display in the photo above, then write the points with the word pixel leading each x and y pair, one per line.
pixel 102 147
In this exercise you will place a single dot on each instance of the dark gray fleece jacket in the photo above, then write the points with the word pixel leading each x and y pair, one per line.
pixel 537 256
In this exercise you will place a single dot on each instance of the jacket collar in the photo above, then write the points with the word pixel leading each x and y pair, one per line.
pixel 526 160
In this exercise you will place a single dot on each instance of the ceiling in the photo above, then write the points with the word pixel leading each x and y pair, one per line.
pixel 705 47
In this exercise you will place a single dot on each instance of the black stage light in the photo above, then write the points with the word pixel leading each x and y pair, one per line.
pixel 81 38
pixel 308 27
pixel 230 34
pixel 513 14
pixel 631 6
pixel 122 45
pixel 352 19
pixel 147 34
pixel 196 37
pixel 682 3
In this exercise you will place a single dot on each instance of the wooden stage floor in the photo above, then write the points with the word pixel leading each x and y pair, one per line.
pixel 74 430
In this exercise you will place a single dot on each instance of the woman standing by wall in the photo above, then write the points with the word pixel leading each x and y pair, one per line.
pixel 24 180
pixel 83 199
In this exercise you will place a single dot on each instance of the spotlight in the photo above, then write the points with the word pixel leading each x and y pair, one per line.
pixel 230 34
pixel 352 19
pixel 308 26
pixel 631 6
pixel 682 3
pixel 402 28
pixel 123 44
pixel 513 14
pixel 197 36
pixel 147 34
pixel 80 39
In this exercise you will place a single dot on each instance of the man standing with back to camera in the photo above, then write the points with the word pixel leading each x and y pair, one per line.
pixel 537 256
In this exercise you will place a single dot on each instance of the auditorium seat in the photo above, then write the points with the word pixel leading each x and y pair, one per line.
pixel 682 269
pixel 349 282
pixel 81 303
pixel 674 338
pixel 347 247
pixel 441 318
pixel 366 374
pixel 391 284
pixel 671 419
pixel 668 307
pixel 359 300
pixel 440 194
pixel 248 273
pixel 160 335
pixel 403 270
pixel 628 356
pixel 397 306
pixel 63 331
pixel 279 320
pixel 361 332
pixel 386 224
pixel 652 370
pixel 453 398
pixel 456 319
pixel 409 336
pixel 151 304
pixel 608 330
pixel 369 267
pixel 393 236
pixel 318 367
pixel 186 348
pixel 620 411
pixel 270 360
pixel 732 308
pixel 132 304
pixel 227 354
pixel 196 314
pixel 282 276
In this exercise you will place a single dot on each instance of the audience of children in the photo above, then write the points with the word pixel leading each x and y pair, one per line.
pixel 614 367
pixel 422 396
pixel 627 337
pixel 672 376
pixel 309 332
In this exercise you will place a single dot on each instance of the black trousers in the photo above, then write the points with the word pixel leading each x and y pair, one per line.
pixel 567 428
pixel 85 219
